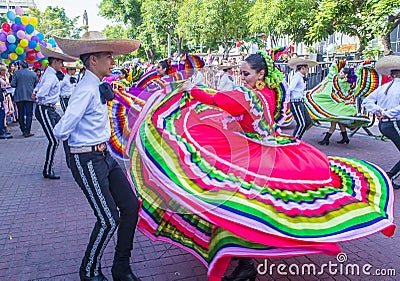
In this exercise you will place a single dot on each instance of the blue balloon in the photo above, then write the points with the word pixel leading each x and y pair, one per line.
pixel 11 15
pixel 12 48
pixel 40 36
pixel 11 38
pixel 18 20
pixel 4 55
pixel 22 57
pixel 29 28
pixel 32 44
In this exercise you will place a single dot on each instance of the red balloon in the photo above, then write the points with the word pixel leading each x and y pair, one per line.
pixel 263 37
pixel 37 64
pixel 64 70
pixel 31 55
pixel 238 44
pixel 6 27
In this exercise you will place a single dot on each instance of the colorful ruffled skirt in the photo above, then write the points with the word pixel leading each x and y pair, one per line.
pixel 220 194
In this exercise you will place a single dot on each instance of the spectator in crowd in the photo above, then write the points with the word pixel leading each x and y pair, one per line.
pixel 24 81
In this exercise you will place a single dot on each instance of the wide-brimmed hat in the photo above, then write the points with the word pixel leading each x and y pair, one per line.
pixel 96 42
pixel 293 63
pixel 386 64
pixel 72 65
pixel 56 53
pixel 226 65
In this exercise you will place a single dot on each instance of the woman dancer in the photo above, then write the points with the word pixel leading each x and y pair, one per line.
pixel 334 99
pixel 216 178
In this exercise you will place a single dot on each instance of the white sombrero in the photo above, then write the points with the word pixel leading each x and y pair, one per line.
pixel 96 42
pixel 293 63
pixel 56 53
pixel 72 65
pixel 226 65
pixel 386 64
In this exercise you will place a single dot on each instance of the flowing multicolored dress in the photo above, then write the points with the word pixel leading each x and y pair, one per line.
pixel 334 99
pixel 216 179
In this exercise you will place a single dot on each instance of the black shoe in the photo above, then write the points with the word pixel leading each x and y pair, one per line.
pixel 126 275
pixel 326 139
pixel 345 138
pixel 27 135
pixel 395 185
pixel 244 271
pixel 5 136
pixel 99 277
pixel 51 176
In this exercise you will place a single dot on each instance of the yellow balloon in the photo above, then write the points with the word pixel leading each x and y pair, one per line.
pixel 13 56
pixel 23 43
pixel 24 20
pixel 33 21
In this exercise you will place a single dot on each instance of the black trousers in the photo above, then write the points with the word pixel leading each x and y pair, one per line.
pixel 25 108
pixel 302 117
pixel 113 202
pixel 391 130
pixel 48 118
pixel 64 103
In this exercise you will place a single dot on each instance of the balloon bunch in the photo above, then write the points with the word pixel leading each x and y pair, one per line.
pixel 19 39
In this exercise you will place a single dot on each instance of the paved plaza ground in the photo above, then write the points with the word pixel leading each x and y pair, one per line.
pixel 45 225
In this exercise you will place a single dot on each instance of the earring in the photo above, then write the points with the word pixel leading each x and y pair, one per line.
pixel 260 85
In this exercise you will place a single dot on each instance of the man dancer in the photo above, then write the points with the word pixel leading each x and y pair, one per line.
pixel 47 95
pixel 86 125
pixel 384 102
pixel 296 92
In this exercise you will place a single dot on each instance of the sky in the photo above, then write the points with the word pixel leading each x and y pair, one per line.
pixel 74 8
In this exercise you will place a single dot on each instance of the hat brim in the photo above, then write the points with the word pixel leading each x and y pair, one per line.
pixel 52 54
pixel 226 66
pixel 386 64
pixel 293 63
pixel 72 65
pixel 77 47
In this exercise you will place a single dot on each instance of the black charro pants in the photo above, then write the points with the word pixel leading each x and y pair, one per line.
pixel 391 129
pixel 113 202
pixel 302 117
pixel 64 103
pixel 48 118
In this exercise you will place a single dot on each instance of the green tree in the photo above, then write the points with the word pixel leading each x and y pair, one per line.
pixel 160 23
pixel 278 18
pixel 381 18
pixel 218 21
pixel 344 16
pixel 54 22
pixel 118 32
pixel 122 11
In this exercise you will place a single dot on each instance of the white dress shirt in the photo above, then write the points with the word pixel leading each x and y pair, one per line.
pixel 66 87
pixel 225 82
pixel 48 89
pixel 297 86
pixel 389 103
pixel 85 122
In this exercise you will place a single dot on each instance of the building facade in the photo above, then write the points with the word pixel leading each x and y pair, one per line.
pixel 395 40
pixel 9 5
